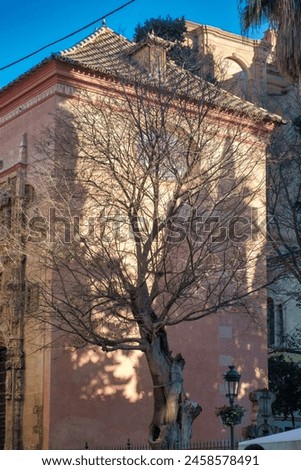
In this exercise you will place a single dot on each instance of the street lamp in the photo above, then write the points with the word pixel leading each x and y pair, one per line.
pixel 232 379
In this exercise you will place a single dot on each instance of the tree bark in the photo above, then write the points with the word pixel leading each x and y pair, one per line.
pixel 174 412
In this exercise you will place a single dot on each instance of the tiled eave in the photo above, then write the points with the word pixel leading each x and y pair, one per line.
pixel 106 54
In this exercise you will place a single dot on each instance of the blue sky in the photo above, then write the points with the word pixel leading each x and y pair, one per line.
pixel 27 25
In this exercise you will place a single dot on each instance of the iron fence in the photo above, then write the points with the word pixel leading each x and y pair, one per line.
pixel 196 445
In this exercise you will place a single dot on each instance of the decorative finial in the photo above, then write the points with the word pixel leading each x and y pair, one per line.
pixel 23 149
pixel 103 23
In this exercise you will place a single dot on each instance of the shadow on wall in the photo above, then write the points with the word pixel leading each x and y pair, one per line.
pixel 99 398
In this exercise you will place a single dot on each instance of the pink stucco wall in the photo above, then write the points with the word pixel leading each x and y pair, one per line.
pixel 90 397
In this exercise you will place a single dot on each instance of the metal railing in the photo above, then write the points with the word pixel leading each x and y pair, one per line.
pixel 196 445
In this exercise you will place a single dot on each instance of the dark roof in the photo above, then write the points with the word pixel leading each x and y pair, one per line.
pixel 104 51
pixel 110 53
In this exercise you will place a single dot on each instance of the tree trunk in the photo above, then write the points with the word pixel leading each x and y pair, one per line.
pixel 293 420
pixel 174 412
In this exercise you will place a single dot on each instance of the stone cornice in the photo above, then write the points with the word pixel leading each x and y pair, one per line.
pixel 58 88
pixel 222 33
pixel 12 169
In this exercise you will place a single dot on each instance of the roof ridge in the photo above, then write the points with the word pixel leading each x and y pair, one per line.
pixel 91 37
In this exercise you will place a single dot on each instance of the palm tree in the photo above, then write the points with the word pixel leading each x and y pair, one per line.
pixel 285 17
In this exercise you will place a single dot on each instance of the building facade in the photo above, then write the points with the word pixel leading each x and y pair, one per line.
pixel 247 68
pixel 58 398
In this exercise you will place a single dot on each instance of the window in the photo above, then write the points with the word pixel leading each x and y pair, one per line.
pixel 32 300
pixel 5 212
pixel 275 323
pixel 2 396
pixel 29 193
pixel 271 321
pixel 279 325
pixel 163 154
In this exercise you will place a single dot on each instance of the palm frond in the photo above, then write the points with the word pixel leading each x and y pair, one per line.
pixel 255 12
pixel 285 17
pixel 288 48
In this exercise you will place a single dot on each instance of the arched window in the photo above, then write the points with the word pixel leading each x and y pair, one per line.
pixel 271 321
pixel 234 77
pixel 2 396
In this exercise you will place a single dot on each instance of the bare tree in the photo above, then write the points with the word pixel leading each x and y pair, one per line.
pixel 285 200
pixel 283 179
pixel 145 205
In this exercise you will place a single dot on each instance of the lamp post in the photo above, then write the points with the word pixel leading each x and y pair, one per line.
pixel 232 379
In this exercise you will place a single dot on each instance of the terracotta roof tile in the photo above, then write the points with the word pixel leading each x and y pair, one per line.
pixel 110 53
pixel 104 50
